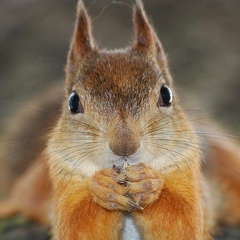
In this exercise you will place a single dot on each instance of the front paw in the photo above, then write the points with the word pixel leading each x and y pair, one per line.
pixel 109 193
pixel 127 189
pixel 144 184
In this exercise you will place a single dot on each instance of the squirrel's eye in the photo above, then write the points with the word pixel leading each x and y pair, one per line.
pixel 165 98
pixel 74 103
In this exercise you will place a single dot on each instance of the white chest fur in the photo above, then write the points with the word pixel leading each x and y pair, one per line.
pixel 130 230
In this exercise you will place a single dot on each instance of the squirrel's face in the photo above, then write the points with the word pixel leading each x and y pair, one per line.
pixel 118 90
pixel 120 105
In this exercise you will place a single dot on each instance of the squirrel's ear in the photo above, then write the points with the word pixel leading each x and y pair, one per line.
pixel 82 39
pixel 145 35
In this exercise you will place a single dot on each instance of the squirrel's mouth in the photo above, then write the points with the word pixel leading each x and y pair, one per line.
pixel 124 161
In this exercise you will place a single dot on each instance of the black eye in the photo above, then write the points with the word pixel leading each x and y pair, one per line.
pixel 165 98
pixel 74 103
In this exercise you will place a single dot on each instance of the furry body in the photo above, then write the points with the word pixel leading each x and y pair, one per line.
pixel 126 163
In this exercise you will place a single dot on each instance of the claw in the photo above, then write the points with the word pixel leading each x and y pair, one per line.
pixel 134 206
pixel 117 169
pixel 124 183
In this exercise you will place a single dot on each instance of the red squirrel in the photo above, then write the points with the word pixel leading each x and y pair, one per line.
pixel 123 161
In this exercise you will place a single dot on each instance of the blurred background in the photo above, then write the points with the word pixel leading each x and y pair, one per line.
pixel 202 39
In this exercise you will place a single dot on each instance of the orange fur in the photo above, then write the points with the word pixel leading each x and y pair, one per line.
pixel 73 221
pixel 178 213
pixel 223 176
pixel 126 152
pixel 30 194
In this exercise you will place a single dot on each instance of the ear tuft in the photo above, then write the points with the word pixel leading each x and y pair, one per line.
pixel 82 39
pixel 139 3
pixel 144 33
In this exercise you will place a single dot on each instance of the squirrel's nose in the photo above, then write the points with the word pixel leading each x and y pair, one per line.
pixel 124 147
pixel 124 139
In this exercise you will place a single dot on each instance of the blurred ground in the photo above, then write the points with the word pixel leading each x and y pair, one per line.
pixel 21 229
pixel 202 39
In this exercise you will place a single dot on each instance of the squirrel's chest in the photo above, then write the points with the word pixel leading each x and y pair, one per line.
pixel 130 229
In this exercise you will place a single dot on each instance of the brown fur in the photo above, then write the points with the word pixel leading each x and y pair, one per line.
pixel 120 89
pixel 125 152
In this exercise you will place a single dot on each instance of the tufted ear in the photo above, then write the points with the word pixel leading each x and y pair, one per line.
pixel 82 41
pixel 145 34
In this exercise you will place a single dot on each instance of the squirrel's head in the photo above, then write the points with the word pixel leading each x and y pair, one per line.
pixel 120 105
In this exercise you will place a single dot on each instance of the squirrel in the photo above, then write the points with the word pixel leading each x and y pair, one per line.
pixel 123 160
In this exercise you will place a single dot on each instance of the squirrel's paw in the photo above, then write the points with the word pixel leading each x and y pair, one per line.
pixel 144 184
pixel 110 194
pixel 127 189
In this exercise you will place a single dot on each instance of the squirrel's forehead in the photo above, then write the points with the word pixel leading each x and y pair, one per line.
pixel 120 69
pixel 122 82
